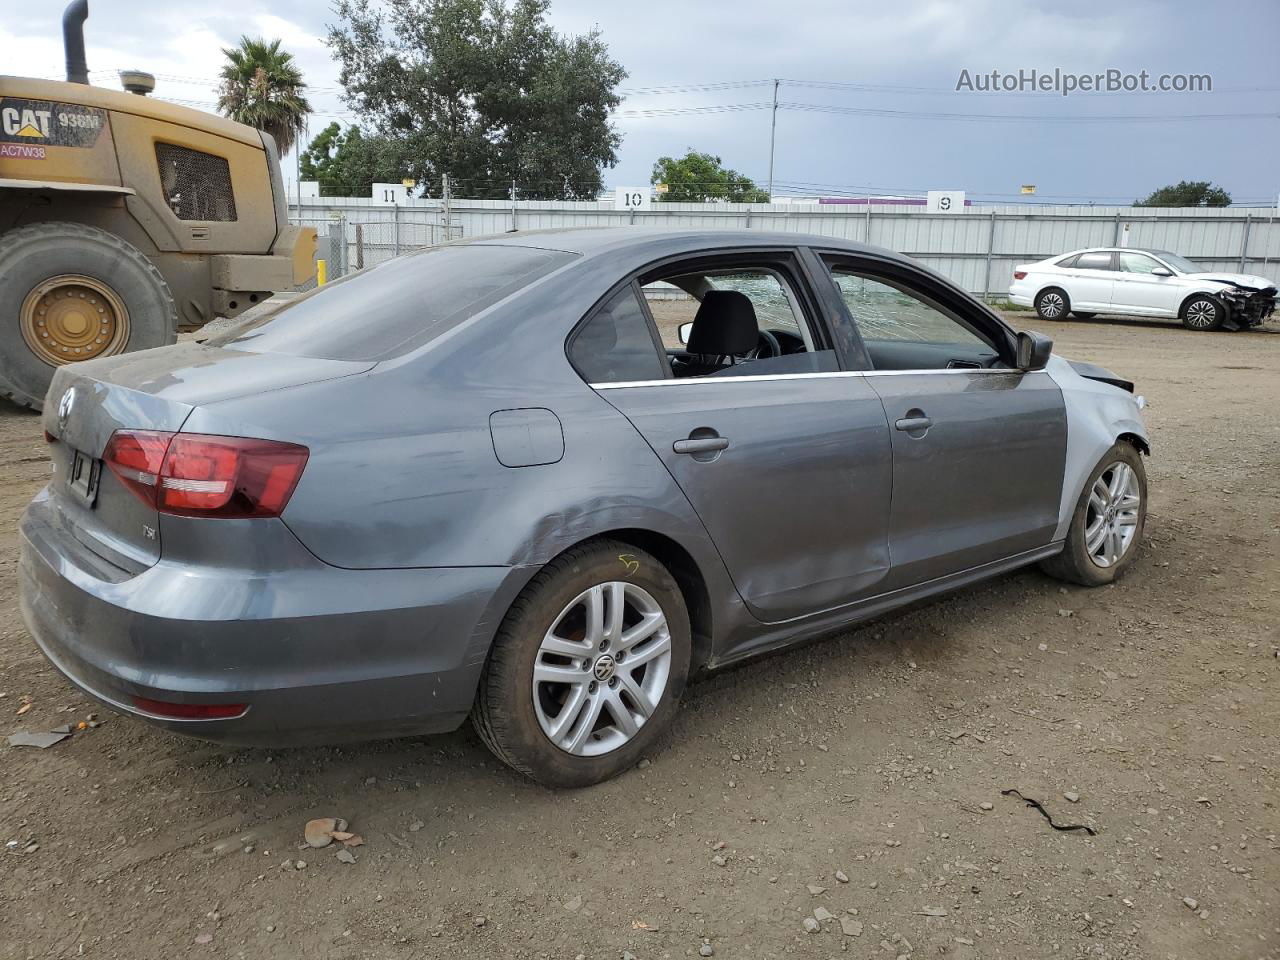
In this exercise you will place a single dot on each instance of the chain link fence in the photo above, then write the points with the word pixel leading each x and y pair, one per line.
pixel 367 238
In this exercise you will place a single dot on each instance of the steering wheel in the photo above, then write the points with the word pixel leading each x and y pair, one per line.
pixel 767 347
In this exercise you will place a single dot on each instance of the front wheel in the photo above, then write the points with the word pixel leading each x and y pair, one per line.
pixel 1203 313
pixel 588 667
pixel 1107 525
pixel 1052 304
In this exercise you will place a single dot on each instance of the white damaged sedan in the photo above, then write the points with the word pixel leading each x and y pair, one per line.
pixel 1150 283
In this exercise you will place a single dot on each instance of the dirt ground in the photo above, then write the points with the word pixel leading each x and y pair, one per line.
pixel 876 757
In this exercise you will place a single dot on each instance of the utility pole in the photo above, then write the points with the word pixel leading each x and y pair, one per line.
pixel 773 135
pixel 444 195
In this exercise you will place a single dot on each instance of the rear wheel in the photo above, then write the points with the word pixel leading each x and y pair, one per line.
pixel 588 667
pixel 1203 313
pixel 1107 525
pixel 1052 304
pixel 71 292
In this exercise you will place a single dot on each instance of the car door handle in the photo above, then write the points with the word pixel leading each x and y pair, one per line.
pixel 911 424
pixel 701 445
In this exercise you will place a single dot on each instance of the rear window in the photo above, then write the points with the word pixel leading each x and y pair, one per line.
pixel 395 307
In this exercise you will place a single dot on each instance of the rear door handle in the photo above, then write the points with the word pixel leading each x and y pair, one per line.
pixel 911 424
pixel 701 445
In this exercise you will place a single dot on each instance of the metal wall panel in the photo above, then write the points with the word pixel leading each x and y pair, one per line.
pixel 960 246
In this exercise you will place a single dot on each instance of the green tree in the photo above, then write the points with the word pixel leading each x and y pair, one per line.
pixel 261 86
pixel 700 178
pixel 482 90
pixel 1187 193
pixel 346 163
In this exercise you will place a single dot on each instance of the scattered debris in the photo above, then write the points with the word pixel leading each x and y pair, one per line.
pixel 850 927
pixel 815 890
pixel 987 805
pixel 1072 797
pixel 1045 813
pixel 719 860
pixel 41 741
pixel 931 912
pixel 27 704
pixel 346 856
pixel 323 831
pixel 841 876
pixel 573 904
pixel 1191 902
pixel 811 925
pixel 822 914
pixel 1205 800
pixel 203 938
pixel 706 950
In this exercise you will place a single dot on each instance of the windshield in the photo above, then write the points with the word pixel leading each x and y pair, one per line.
pixel 1181 264
pixel 395 307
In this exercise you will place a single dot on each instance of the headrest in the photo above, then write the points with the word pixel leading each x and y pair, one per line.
pixel 724 325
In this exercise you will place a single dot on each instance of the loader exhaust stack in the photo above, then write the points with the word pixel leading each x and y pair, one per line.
pixel 73 19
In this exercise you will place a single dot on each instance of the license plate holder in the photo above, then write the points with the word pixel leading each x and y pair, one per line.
pixel 82 477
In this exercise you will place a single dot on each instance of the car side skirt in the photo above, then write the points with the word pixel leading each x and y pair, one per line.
pixel 780 635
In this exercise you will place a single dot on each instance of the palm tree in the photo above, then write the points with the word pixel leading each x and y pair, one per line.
pixel 262 88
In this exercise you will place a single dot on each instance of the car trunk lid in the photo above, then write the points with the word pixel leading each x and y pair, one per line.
pixel 150 390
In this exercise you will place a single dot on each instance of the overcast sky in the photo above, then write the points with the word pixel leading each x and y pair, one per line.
pixel 910 52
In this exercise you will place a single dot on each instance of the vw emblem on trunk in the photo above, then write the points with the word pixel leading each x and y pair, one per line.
pixel 64 407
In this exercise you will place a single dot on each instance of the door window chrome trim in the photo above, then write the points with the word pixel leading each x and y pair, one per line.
pixel 756 378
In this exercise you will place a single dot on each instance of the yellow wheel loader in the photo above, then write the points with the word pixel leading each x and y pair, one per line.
pixel 125 219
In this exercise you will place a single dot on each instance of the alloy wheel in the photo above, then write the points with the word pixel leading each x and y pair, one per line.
pixel 1201 314
pixel 601 669
pixel 1112 517
pixel 1051 306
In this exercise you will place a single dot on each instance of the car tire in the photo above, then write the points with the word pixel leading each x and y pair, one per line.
pixel 1053 304
pixel 43 262
pixel 548 627
pixel 1106 499
pixel 1203 313
pixel 1082 316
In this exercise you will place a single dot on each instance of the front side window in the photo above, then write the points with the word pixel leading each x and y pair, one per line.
pixel 615 345
pixel 890 312
pixel 1137 263
pixel 1094 261
pixel 904 328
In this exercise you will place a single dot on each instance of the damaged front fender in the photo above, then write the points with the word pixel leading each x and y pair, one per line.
pixel 1247 306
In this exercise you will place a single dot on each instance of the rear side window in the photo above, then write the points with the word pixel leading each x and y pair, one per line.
pixel 616 344
pixel 1068 261
pixel 197 185
pixel 395 307
pixel 1094 261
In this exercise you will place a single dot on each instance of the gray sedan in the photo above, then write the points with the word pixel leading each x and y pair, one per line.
pixel 540 479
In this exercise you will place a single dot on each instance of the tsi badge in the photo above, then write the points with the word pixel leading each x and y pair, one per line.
pixel 64 408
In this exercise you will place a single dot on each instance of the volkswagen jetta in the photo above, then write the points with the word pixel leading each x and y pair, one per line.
pixel 540 479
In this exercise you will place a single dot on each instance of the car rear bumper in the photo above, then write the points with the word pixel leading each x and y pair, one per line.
pixel 317 654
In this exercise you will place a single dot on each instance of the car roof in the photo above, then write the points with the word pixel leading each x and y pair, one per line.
pixel 1147 250
pixel 588 241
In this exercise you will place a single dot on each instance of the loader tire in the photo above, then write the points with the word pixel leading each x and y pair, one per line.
pixel 72 292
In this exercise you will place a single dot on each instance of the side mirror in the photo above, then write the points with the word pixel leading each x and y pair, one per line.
pixel 1162 272
pixel 1034 350
pixel 684 330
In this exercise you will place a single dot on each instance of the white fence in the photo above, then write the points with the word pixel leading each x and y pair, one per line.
pixel 977 248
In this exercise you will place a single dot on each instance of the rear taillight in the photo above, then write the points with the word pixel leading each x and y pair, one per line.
pixel 194 475
pixel 1019 274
